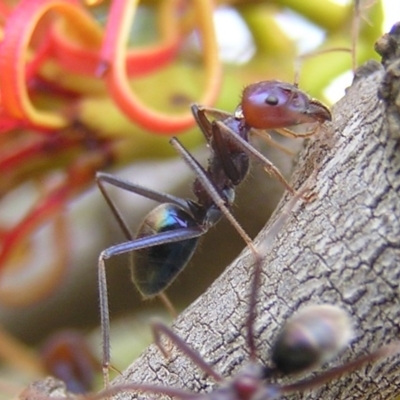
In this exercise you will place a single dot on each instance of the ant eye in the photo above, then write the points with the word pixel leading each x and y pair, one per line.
pixel 311 337
pixel 271 100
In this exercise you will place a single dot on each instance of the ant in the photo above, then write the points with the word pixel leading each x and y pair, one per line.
pixel 308 339
pixel 170 233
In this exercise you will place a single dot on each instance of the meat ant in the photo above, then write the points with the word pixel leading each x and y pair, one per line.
pixel 312 336
pixel 170 233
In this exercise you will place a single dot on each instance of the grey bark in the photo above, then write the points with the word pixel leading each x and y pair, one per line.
pixel 342 248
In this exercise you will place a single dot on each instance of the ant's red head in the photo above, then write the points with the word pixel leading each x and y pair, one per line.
pixel 276 104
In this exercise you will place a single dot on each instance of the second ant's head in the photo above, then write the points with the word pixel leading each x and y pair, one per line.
pixel 275 104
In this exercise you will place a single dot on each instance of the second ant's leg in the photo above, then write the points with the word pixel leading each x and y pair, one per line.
pixel 159 328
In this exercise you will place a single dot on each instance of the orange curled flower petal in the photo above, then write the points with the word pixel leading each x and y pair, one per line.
pixel 43 212
pixel 143 61
pixel 18 291
pixel 72 55
pixel 14 48
pixel 49 208
pixel 75 57
pixel 114 53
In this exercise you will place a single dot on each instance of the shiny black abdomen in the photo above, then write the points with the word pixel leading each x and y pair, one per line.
pixel 154 268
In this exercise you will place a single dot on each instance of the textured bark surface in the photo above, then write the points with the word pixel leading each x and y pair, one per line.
pixel 343 248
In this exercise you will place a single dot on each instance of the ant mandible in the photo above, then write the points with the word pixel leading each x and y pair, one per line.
pixel 170 233
pixel 312 336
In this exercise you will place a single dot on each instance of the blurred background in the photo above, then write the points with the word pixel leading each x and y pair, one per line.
pixel 84 87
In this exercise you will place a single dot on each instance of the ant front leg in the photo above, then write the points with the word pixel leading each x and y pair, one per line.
pixel 297 135
pixel 268 139
pixel 199 114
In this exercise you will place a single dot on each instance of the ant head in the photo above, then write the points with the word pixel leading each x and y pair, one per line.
pixel 310 337
pixel 276 104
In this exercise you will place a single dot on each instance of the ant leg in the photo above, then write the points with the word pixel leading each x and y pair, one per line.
pixel 267 138
pixel 160 197
pixel 102 177
pixel 122 248
pixel 252 152
pixel 212 191
pixel 140 190
pixel 291 134
pixel 209 131
pixel 214 112
pixel 202 121
pixel 199 113
pixel 159 328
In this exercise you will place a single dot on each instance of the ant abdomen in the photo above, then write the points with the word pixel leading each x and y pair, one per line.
pixel 312 336
pixel 275 104
pixel 155 267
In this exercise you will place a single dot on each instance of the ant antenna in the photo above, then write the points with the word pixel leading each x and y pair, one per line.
pixel 301 58
pixel 355 30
